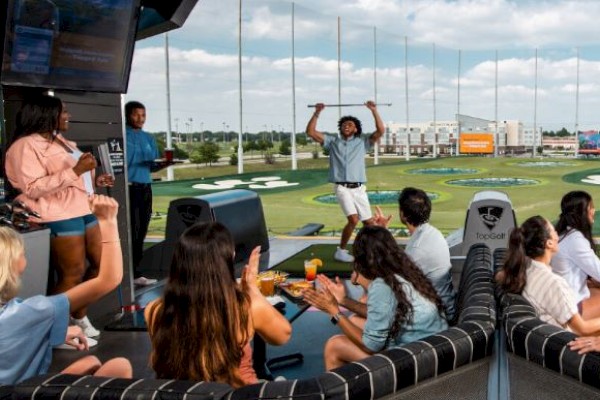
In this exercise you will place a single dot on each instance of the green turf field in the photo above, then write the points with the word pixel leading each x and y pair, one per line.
pixel 288 208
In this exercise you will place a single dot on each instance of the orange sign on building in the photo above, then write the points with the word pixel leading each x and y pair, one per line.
pixel 476 143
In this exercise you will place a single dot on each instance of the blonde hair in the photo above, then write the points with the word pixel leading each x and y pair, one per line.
pixel 12 247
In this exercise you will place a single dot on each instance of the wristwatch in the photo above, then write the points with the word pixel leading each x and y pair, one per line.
pixel 336 317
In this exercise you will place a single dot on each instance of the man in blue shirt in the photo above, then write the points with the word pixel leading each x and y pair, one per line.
pixel 141 155
pixel 347 171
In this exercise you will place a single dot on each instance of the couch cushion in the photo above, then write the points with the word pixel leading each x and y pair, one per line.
pixel 544 344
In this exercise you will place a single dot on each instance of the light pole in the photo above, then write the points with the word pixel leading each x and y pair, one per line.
pixel 191 129
pixel 177 129
pixel 224 131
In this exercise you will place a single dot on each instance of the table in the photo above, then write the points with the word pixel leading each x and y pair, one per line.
pixel 292 308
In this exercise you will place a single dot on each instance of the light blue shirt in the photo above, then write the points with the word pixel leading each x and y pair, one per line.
pixel 429 250
pixel 347 157
pixel 28 330
pixel 141 153
pixel 381 309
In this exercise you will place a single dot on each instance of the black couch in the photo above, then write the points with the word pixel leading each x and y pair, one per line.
pixel 539 351
pixel 438 365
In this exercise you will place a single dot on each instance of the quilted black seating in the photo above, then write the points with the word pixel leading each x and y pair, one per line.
pixel 544 347
pixel 438 364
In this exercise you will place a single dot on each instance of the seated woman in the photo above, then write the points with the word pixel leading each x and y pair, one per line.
pixel 576 260
pixel 30 328
pixel 527 272
pixel 202 325
pixel 402 305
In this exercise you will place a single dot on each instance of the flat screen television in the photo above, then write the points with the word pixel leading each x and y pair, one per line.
pixel 69 44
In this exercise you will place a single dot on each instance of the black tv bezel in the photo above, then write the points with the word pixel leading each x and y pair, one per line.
pixel 128 57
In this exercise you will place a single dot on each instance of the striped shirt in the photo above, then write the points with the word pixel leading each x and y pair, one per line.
pixel 549 294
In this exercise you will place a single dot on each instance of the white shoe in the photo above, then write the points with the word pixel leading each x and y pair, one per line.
pixel 86 326
pixel 143 281
pixel 91 343
pixel 343 255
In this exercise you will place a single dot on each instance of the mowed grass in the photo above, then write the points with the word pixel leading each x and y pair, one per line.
pixel 290 208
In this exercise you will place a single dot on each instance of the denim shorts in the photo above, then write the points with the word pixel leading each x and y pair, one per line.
pixel 73 226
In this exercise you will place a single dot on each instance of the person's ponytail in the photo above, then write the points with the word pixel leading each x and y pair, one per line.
pixel 512 278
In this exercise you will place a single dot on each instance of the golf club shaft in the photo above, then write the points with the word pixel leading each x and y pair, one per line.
pixel 349 105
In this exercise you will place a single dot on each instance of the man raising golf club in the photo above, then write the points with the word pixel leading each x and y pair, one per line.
pixel 347 172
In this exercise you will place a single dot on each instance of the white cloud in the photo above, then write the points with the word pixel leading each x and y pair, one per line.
pixel 204 61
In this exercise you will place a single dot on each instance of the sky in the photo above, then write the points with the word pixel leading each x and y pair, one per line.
pixel 489 36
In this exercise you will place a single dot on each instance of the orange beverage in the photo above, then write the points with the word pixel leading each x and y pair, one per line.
pixel 310 269
pixel 267 286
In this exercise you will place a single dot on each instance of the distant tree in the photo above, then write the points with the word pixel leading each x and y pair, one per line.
pixel 563 132
pixel 284 148
pixel 207 153
pixel 233 159
pixel 301 139
pixel 250 146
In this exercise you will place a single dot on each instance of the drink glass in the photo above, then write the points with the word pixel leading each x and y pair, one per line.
pixel 169 155
pixel 267 286
pixel 310 269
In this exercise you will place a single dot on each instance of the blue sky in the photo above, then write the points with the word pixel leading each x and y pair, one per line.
pixel 204 69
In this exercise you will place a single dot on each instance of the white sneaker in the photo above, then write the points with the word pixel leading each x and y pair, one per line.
pixel 91 343
pixel 86 326
pixel 143 281
pixel 343 255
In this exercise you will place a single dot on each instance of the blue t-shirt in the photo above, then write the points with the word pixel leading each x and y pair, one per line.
pixel 141 153
pixel 381 309
pixel 28 330
pixel 347 157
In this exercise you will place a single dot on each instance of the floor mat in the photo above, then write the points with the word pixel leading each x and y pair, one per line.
pixel 295 264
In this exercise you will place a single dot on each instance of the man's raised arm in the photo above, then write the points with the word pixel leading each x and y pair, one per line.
pixel 311 128
pixel 379 125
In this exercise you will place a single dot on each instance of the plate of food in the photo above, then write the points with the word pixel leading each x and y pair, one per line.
pixel 296 288
pixel 278 276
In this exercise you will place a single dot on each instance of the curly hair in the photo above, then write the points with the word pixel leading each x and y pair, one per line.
pixel 574 215
pixel 352 119
pixel 377 255
pixel 201 328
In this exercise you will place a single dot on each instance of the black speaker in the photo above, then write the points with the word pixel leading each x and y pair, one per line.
pixel 239 210
pixel 159 16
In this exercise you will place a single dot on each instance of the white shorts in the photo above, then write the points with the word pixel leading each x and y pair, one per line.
pixel 354 201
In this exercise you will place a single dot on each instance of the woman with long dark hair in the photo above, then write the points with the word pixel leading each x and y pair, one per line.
pixel 55 179
pixel 402 305
pixel 202 325
pixel 576 260
pixel 527 271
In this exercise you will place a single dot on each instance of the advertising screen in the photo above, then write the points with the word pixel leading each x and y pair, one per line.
pixel 70 44
pixel 589 142
pixel 476 143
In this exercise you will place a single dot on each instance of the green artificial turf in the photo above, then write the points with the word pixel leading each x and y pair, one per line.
pixel 331 267
pixel 287 209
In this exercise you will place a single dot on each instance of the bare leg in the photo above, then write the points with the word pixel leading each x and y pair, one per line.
pixel 68 254
pixel 348 229
pixel 87 365
pixel 93 250
pixel 116 368
pixel 340 350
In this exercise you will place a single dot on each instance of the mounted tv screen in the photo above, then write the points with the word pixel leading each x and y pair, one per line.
pixel 70 44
